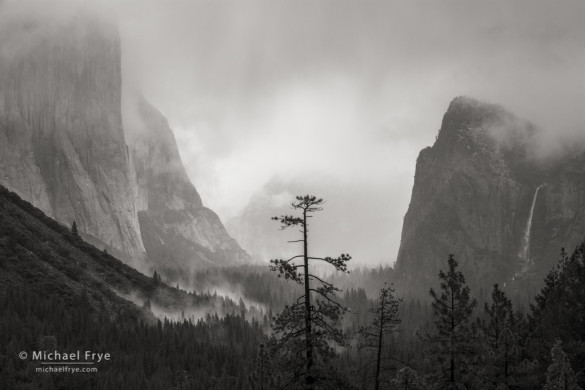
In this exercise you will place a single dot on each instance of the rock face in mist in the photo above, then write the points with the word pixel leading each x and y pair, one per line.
pixel 177 230
pixel 63 148
pixel 61 138
pixel 473 194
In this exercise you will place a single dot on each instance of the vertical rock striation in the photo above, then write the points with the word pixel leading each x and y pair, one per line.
pixel 62 143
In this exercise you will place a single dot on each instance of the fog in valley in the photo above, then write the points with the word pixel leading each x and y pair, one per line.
pixel 270 99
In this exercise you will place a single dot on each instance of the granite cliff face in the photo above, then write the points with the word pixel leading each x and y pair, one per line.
pixel 63 147
pixel 177 230
pixel 62 143
pixel 474 192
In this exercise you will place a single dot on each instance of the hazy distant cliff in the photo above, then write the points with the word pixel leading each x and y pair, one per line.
pixel 61 139
pixel 177 230
pixel 63 147
pixel 473 194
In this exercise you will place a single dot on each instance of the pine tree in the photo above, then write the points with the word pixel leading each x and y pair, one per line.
pixel 501 351
pixel 559 313
pixel 305 327
pixel 262 378
pixel 74 229
pixel 452 341
pixel 560 375
pixel 385 323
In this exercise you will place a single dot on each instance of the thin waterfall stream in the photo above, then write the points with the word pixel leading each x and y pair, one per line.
pixel 525 246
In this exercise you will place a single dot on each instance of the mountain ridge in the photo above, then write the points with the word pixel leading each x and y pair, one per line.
pixel 472 197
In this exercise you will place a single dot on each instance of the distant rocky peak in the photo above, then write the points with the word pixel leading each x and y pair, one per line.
pixel 484 193
pixel 481 131
pixel 469 117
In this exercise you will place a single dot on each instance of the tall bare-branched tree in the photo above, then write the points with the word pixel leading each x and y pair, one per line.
pixel 305 328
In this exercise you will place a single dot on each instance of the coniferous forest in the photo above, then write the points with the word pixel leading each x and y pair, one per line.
pixel 453 339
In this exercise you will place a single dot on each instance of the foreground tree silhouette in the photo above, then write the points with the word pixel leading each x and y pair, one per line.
pixel 306 326
pixel 385 322
pixel 452 310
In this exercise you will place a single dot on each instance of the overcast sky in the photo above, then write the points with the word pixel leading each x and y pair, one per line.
pixel 343 91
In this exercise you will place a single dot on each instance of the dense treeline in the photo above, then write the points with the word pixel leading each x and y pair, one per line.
pixel 498 346
pixel 211 353
pixel 456 343
pixel 59 293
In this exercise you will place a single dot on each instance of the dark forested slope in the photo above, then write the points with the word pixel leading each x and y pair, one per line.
pixel 37 252
pixel 58 292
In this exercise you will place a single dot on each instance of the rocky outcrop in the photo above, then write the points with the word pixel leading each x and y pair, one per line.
pixel 62 145
pixel 177 230
pixel 472 197
pixel 563 207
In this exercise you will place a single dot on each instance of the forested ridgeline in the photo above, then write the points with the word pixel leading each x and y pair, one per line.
pixel 258 284
pixel 57 292
pixel 38 251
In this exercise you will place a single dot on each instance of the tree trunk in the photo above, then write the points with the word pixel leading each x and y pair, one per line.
pixel 261 372
pixel 380 340
pixel 309 380
pixel 506 363
pixel 452 366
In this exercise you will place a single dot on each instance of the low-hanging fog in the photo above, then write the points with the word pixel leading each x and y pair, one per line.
pixel 271 98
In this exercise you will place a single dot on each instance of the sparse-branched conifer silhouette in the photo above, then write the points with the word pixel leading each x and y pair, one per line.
pixel 305 328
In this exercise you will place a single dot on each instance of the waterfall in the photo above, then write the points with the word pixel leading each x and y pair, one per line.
pixel 525 247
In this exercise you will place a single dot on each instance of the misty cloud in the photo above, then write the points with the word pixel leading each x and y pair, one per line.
pixel 344 90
